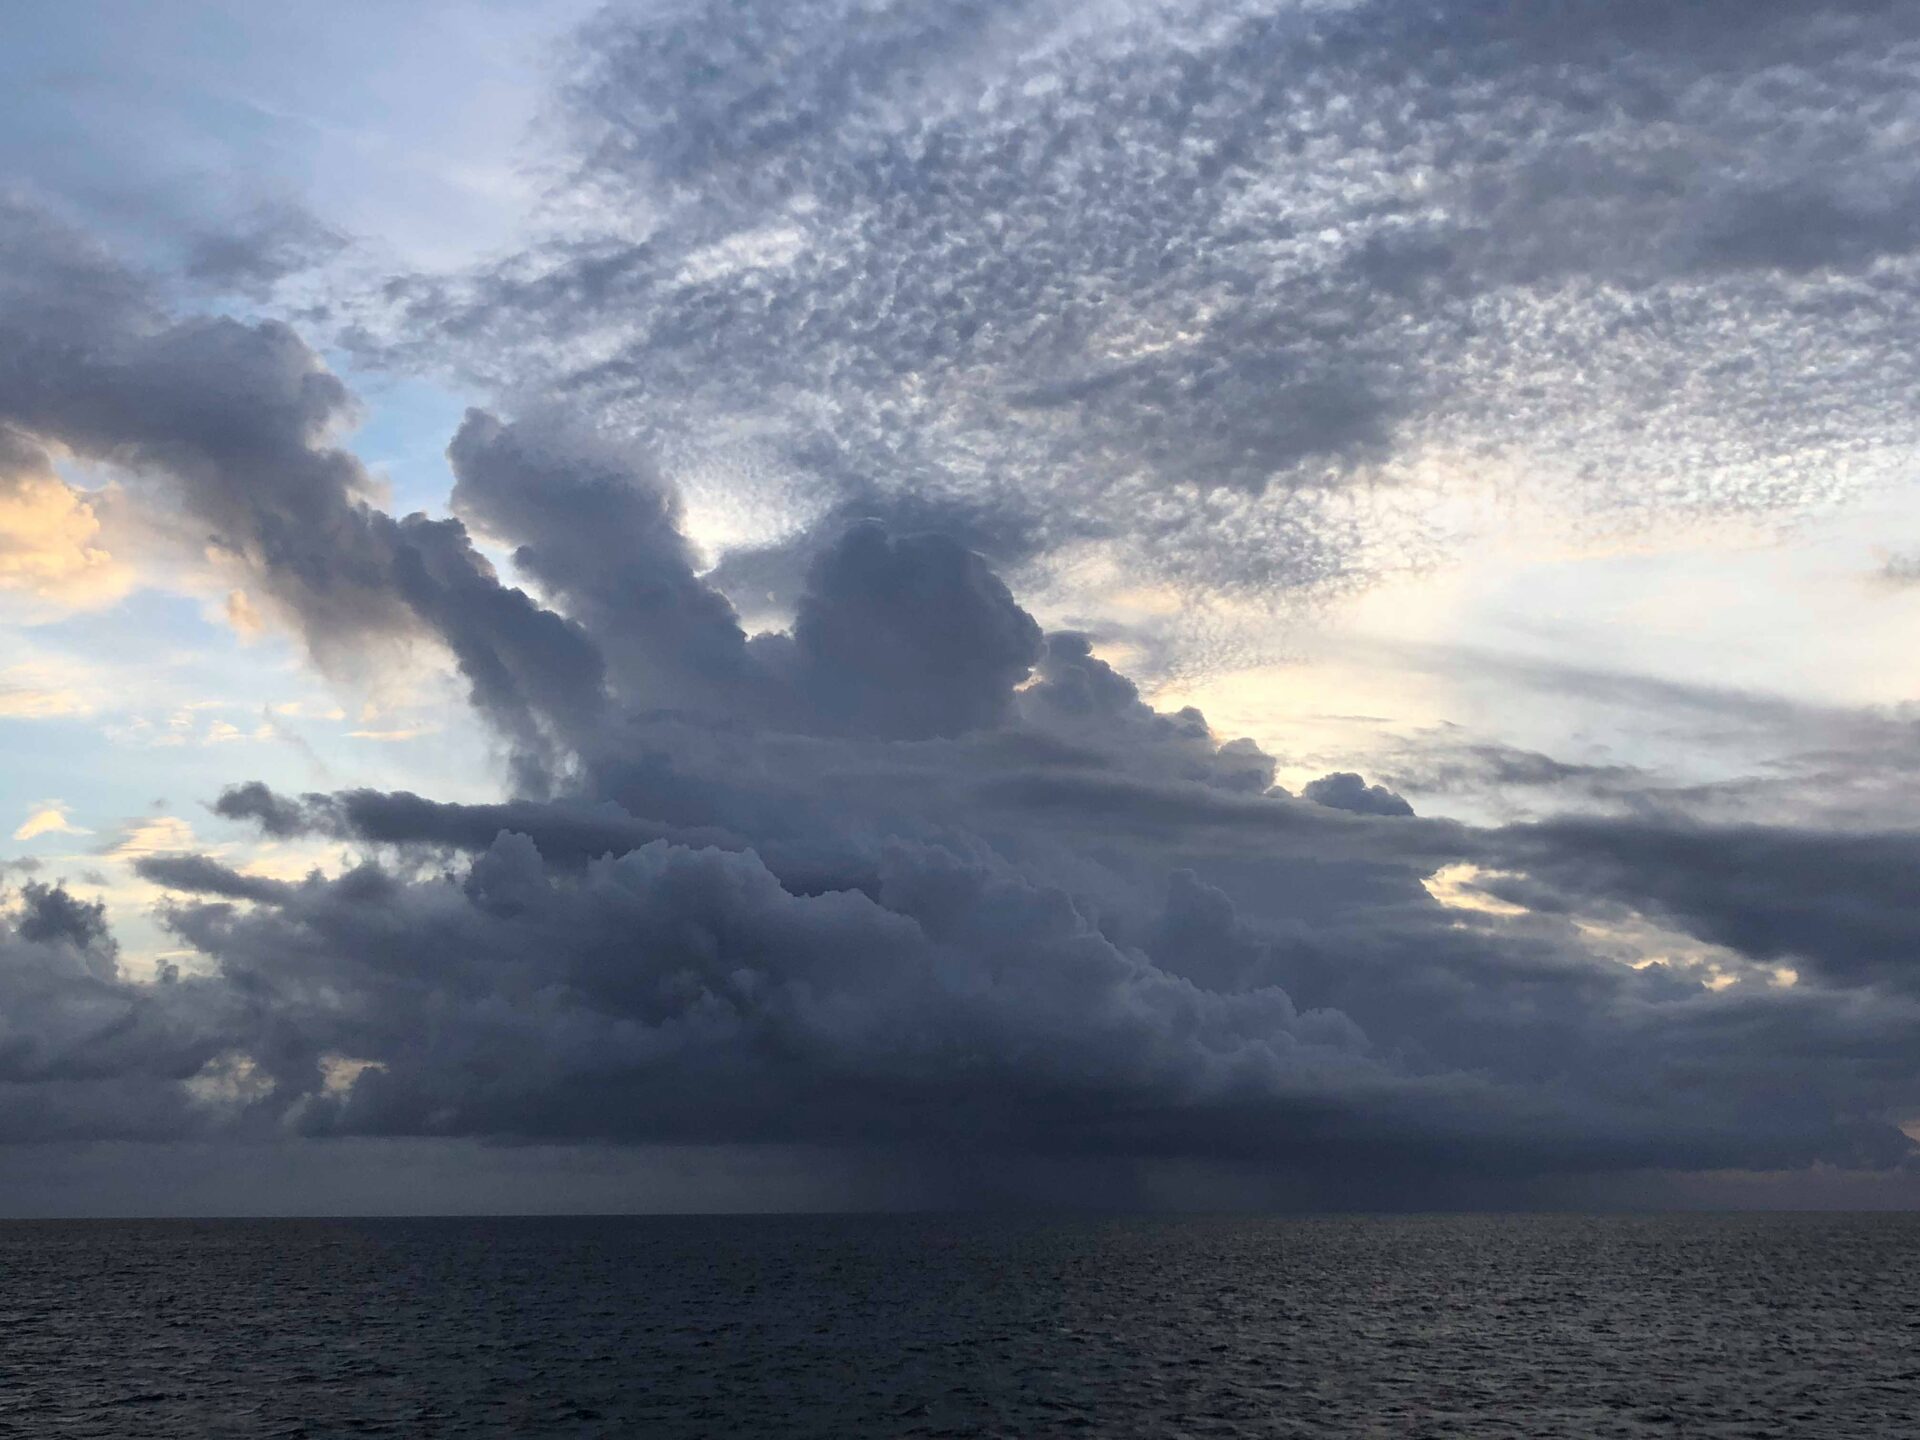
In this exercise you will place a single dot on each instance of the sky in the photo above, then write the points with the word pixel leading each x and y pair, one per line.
pixel 854 604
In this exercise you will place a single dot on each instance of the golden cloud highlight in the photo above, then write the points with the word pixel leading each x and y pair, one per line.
pixel 50 534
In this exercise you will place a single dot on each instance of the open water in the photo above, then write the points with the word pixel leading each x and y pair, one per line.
pixel 849 1327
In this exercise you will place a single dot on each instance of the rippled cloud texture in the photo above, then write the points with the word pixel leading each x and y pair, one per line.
pixel 1191 281
pixel 808 834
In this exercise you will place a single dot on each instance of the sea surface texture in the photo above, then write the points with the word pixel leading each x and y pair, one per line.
pixel 1797 1326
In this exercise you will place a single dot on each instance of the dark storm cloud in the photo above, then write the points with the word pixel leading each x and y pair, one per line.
pixel 1081 699
pixel 771 577
pixel 1843 906
pixel 980 894
pixel 84 1052
pixel 1064 923
pixel 907 637
pixel 275 815
pixel 675 993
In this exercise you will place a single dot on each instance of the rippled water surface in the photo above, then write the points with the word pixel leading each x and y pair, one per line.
pixel 847 1327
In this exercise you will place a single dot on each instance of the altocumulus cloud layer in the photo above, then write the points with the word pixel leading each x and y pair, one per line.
pixel 1218 286
pixel 908 869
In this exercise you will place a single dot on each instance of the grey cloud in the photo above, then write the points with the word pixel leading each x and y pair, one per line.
pixel 1441 768
pixel 1799 226
pixel 229 423
pixel 1836 904
pixel 533 672
pixel 200 875
pixel 1345 790
pixel 1080 698
pixel 1074 926
pixel 51 916
pixel 907 637
pixel 1188 279
pixel 675 993
pixel 695 99
pixel 567 834
pixel 1900 571
pixel 903 636
pixel 755 1012
pixel 771 577
pixel 250 257
pixel 254 801
pixel 84 1052
pixel 603 537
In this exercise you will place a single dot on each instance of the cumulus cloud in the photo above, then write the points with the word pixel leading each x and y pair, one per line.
pixel 1344 790
pixel 84 1052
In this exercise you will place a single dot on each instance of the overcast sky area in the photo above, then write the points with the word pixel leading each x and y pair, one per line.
pixel 811 604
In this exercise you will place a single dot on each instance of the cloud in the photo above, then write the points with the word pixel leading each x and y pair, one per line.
pixel 1230 292
pixel 250 256
pixel 1345 790
pixel 1836 905
pixel 49 534
pixel 929 874
pixel 84 1052
pixel 200 875
pixel 909 637
pixel 986 288
pixel 228 425
pixel 914 868
pixel 34 702
pixel 1070 925
pixel 150 835
pixel 47 819
pixel 598 531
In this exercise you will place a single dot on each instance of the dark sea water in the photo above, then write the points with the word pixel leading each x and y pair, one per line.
pixel 1796 1326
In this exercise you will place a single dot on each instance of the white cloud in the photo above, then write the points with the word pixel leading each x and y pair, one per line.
pixel 23 701
pixel 152 835
pixel 49 818
pixel 394 736
pixel 50 537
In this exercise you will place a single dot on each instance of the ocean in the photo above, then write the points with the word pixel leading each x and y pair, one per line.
pixel 851 1326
